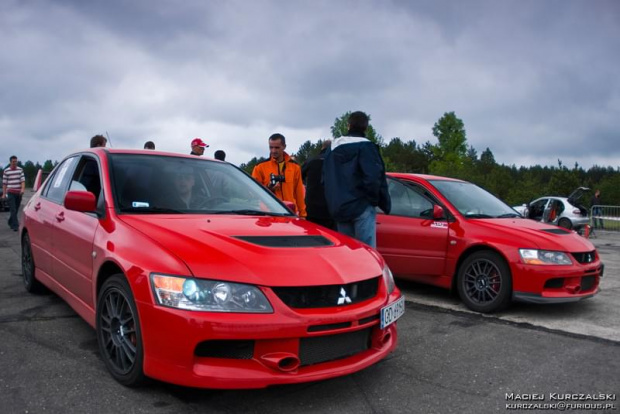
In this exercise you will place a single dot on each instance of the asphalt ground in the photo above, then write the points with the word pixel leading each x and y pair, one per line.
pixel 448 360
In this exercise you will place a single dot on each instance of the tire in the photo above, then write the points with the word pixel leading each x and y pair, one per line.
pixel 31 284
pixel 566 223
pixel 119 333
pixel 484 282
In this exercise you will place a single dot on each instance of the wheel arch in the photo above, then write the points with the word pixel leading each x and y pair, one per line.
pixel 468 252
pixel 107 270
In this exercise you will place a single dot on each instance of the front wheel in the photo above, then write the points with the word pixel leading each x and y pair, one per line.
pixel 484 282
pixel 118 332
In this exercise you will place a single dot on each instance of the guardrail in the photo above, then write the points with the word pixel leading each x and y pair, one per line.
pixel 605 218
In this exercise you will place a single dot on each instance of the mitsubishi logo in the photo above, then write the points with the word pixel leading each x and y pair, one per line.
pixel 344 298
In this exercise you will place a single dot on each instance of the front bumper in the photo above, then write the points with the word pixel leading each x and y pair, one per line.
pixel 556 284
pixel 232 350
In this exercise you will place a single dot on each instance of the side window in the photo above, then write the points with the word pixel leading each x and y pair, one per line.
pixel 87 177
pixel 408 202
pixel 58 184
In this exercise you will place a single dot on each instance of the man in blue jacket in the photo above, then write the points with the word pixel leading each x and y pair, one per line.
pixel 355 183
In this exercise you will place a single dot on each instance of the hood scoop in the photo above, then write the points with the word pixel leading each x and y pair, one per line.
pixel 287 241
pixel 557 231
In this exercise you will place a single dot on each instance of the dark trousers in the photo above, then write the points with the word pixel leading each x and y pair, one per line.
pixel 329 223
pixel 14 201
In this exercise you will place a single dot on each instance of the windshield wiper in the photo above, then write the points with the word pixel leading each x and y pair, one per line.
pixel 248 212
pixel 475 215
pixel 147 210
pixel 509 215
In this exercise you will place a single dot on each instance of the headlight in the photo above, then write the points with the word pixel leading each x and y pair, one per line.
pixel 389 279
pixel 208 295
pixel 544 257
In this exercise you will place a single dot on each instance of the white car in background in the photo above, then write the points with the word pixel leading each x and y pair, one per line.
pixel 565 212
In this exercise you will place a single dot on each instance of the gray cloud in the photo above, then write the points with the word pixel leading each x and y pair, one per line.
pixel 533 81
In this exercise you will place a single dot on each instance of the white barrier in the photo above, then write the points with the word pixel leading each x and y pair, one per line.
pixel 605 217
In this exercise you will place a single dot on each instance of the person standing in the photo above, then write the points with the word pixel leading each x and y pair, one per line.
pixel 281 175
pixel 355 182
pixel 312 175
pixel 595 204
pixel 13 188
pixel 98 141
pixel 198 147
pixel 149 145
pixel 220 155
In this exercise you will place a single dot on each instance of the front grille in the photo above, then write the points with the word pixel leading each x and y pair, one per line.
pixel 587 283
pixel 305 297
pixel 554 283
pixel 331 347
pixel 230 349
pixel 585 257
pixel 287 241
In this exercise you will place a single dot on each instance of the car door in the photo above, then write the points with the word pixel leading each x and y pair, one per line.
pixel 42 214
pixel 411 241
pixel 74 233
pixel 537 209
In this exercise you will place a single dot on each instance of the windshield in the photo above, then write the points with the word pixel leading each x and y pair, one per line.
pixel 152 184
pixel 472 201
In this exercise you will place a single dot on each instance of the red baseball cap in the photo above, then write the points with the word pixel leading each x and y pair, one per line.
pixel 198 142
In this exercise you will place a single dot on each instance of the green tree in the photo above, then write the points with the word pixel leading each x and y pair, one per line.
pixel 308 150
pixel 451 150
pixel 251 164
pixel 340 129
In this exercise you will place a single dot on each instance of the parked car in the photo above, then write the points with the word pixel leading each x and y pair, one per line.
pixel 224 288
pixel 565 212
pixel 454 234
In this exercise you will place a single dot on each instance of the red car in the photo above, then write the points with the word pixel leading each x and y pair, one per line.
pixel 453 234
pixel 194 274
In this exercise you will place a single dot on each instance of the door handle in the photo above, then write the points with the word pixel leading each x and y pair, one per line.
pixel 37 207
pixel 60 216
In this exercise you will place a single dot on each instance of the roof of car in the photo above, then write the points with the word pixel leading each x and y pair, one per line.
pixel 426 177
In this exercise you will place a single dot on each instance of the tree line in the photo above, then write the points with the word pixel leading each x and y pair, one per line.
pixel 451 156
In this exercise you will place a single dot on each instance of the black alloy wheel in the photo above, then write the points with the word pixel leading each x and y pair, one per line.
pixel 566 223
pixel 31 284
pixel 118 332
pixel 484 282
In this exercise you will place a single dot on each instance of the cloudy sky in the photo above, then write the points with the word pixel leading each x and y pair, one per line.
pixel 533 80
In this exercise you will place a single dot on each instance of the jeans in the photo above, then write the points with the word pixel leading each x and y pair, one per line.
pixel 597 222
pixel 363 227
pixel 14 201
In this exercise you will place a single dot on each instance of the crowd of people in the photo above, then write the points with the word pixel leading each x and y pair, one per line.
pixel 338 189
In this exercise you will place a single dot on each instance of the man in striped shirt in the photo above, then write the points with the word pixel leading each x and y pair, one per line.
pixel 13 187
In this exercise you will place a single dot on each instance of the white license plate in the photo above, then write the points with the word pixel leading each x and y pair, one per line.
pixel 392 312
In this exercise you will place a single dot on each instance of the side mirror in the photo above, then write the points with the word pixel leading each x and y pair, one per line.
pixel 437 212
pixel 83 201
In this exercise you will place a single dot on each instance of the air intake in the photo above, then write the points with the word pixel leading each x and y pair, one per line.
pixel 287 241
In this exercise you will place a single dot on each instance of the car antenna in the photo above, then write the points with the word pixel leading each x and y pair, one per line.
pixel 109 140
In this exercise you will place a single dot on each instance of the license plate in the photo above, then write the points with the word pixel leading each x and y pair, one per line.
pixel 392 312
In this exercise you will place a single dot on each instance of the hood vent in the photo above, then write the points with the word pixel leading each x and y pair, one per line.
pixel 287 241
pixel 559 231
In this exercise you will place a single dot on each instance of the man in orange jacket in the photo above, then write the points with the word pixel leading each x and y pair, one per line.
pixel 282 175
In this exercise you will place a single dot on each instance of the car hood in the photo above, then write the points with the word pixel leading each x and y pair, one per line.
pixel 533 234
pixel 235 248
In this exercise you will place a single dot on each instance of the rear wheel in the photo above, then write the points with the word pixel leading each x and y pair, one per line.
pixel 31 284
pixel 484 282
pixel 566 223
pixel 118 332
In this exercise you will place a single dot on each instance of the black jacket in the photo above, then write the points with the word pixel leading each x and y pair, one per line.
pixel 354 178
pixel 312 176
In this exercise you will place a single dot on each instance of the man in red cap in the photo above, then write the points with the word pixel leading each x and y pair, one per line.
pixel 198 147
